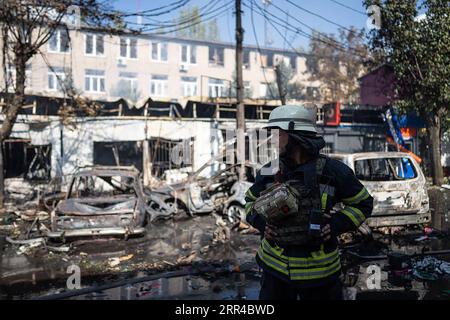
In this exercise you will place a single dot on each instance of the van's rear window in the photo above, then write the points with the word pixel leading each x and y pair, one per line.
pixel 385 169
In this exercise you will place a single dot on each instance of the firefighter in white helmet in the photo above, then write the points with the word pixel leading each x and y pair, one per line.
pixel 293 211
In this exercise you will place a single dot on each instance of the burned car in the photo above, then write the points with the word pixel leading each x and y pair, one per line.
pixel 105 200
pixel 397 184
pixel 222 192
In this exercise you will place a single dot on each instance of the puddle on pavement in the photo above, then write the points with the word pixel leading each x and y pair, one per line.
pixel 166 242
pixel 41 273
pixel 234 287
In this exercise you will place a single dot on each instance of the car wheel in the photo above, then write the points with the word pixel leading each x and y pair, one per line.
pixel 235 213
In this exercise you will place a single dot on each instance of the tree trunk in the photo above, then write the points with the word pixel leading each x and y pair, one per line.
pixel 12 110
pixel 434 129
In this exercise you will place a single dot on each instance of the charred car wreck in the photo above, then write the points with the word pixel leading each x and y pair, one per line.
pixel 106 201
pixel 397 184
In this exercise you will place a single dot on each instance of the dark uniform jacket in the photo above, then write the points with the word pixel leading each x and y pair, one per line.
pixel 313 264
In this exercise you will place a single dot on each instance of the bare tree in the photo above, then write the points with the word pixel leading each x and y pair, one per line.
pixel 26 25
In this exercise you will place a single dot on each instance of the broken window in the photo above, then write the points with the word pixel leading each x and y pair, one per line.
pixel 119 153
pixel 161 151
pixel 388 169
pixel 106 186
pixel 216 56
pixel 23 160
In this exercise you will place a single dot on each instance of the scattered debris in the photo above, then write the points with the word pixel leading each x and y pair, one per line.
pixel 430 268
pixel 114 262
pixel 186 260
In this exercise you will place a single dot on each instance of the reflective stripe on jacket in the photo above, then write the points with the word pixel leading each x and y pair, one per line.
pixel 316 263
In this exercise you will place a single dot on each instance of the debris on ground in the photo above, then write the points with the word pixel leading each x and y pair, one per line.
pixel 222 233
pixel 430 268
pixel 186 260
pixel 114 262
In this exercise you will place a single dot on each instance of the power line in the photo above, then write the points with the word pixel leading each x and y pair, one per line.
pixel 348 7
pixel 170 22
pixel 306 25
pixel 259 51
pixel 319 16
pixel 216 14
pixel 336 44
pixel 154 12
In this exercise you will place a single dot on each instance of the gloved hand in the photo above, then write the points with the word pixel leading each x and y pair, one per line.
pixel 326 228
pixel 269 232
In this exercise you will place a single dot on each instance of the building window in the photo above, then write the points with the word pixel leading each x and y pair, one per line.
pixel 94 81
pixel 188 54
pixel 128 48
pixel 216 56
pixel 188 86
pixel 95 45
pixel 11 75
pixel 216 88
pixel 57 79
pixel 263 90
pixel 158 85
pixel 267 60
pixel 293 62
pixel 129 81
pixel 59 42
pixel 246 58
pixel 247 89
pixel 159 51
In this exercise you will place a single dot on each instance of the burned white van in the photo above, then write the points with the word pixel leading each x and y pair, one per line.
pixel 397 184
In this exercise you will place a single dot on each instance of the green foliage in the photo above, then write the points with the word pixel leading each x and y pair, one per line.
pixel 196 29
pixel 292 89
pixel 338 62
pixel 418 50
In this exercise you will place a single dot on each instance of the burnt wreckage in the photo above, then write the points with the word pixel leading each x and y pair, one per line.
pixel 106 201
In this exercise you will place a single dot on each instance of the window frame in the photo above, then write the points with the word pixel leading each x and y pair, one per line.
pixel 57 34
pixel 163 84
pixel 98 78
pixel 94 45
pixel 213 63
pixel 188 54
pixel 57 76
pixel 159 51
pixel 191 84
pixel 128 48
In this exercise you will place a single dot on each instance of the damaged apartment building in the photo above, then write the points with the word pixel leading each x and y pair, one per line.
pixel 151 94
pixel 45 144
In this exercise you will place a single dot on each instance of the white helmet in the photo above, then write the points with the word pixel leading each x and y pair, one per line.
pixel 291 117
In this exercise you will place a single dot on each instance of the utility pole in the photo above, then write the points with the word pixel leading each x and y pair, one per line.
pixel 240 115
pixel 281 90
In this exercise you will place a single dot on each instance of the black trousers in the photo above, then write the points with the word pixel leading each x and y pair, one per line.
pixel 273 288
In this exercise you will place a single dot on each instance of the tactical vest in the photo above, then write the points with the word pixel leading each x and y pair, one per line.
pixel 297 228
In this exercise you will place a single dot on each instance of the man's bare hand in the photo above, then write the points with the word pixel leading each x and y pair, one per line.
pixel 326 232
pixel 269 232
